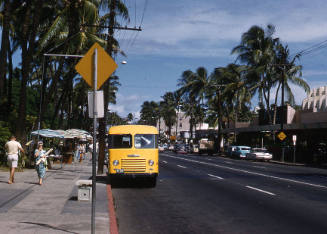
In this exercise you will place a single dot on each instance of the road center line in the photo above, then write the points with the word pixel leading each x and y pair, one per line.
pixel 249 172
pixel 260 190
pixel 218 177
pixel 259 167
pixel 181 166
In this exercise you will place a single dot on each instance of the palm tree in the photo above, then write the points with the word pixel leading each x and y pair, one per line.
pixel 63 34
pixel 149 113
pixel 217 98
pixel 130 117
pixel 236 91
pixel 5 14
pixel 257 50
pixel 29 15
pixel 168 110
pixel 192 91
pixel 287 72
pixel 194 83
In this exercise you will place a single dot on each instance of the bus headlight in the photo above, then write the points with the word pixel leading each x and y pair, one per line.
pixel 151 162
pixel 115 162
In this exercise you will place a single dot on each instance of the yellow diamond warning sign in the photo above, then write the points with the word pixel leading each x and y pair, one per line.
pixel 281 136
pixel 105 66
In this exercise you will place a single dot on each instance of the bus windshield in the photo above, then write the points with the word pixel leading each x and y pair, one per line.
pixel 145 141
pixel 120 141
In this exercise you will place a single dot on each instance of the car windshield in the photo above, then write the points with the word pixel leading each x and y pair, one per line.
pixel 245 148
pixel 260 150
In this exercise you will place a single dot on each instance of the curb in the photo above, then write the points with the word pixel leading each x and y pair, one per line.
pixel 112 215
pixel 287 163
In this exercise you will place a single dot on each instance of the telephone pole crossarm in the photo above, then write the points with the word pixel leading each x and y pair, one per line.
pixel 112 27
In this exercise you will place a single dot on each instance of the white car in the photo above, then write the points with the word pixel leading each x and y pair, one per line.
pixel 259 154
pixel 161 148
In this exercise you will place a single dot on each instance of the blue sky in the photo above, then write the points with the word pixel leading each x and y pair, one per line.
pixel 187 34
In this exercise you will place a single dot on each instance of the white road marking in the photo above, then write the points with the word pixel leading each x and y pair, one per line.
pixel 164 161
pixel 260 190
pixel 229 162
pixel 259 167
pixel 250 172
pixel 218 177
pixel 181 166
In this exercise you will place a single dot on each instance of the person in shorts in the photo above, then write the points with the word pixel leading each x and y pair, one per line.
pixel 12 148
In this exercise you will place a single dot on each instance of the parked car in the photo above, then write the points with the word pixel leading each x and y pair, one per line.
pixel 194 148
pixel 161 148
pixel 259 154
pixel 171 147
pixel 206 146
pixel 165 146
pixel 181 149
pixel 230 149
pixel 319 153
pixel 241 151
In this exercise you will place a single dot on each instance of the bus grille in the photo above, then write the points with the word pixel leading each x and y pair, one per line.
pixel 133 165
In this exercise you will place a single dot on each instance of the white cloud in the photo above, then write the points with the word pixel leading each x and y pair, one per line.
pixel 128 104
pixel 214 28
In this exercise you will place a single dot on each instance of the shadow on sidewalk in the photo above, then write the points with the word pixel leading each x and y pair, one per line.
pixel 35 183
pixel 49 226
pixel 101 179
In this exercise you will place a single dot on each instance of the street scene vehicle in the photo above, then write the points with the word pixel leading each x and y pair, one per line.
pixel 182 148
pixel 161 148
pixel 230 150
pixel 133 152
pixel 259 154
pixel 206 146
pixel 194 148
pixel 319 153
pixel 241 151
pixel 171 147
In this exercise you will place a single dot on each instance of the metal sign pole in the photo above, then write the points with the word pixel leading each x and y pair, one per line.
pixel 294 148
pixel 95 62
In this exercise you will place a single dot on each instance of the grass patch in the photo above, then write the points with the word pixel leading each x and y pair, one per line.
pixel 4 168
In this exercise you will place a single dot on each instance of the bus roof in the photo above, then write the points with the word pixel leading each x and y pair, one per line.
pixel 133 129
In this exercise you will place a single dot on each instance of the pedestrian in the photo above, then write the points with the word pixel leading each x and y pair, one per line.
pixel 77 153
pixel 12 148
pixel 40 164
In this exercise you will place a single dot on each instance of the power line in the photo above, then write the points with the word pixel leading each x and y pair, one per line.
pixel 144 9
pixel 313 48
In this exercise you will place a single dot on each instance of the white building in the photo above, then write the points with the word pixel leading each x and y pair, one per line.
pixel 316 100
pixel 182 126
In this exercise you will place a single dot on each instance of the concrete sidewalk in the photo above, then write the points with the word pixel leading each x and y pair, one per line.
pixel 26 207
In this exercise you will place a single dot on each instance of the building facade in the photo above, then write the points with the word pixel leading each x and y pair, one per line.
pixel 316 100
pixel 181 129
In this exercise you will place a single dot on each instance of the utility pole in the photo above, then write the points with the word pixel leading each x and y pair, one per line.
pixel 220 137
pixel 283 67
pixel 103 121
pixel 282 112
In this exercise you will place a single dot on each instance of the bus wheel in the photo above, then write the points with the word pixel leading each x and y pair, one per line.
pixel 152 182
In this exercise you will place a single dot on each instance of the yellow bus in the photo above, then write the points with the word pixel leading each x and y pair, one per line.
pixel 133 152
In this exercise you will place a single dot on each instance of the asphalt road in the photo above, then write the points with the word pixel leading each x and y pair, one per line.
pixel 206 194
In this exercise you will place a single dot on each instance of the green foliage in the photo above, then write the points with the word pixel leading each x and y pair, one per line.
pixel 4 137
